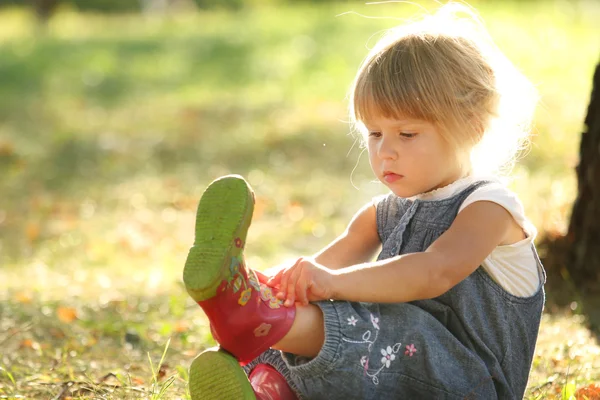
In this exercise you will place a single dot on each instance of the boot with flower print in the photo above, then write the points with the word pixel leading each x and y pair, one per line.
pixel 216 375
pixel 245 316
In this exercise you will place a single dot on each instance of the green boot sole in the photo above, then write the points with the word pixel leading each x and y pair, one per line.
pixel 216 375
pixel 222 221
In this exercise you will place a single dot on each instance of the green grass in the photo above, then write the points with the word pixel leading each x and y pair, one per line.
pixel 111 127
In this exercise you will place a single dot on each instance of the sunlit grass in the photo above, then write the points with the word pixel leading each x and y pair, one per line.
pixel 110 128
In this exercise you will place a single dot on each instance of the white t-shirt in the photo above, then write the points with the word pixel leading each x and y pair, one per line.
pixel 513 266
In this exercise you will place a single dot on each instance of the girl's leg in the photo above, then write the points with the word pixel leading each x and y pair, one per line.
pixel 307 335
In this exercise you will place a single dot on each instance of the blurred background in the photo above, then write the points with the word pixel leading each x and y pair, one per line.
pixel 116 114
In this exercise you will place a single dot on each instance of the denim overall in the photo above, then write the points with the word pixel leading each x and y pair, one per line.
pixel 475 341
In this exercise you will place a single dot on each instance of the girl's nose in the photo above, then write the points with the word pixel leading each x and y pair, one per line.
pixel 387 150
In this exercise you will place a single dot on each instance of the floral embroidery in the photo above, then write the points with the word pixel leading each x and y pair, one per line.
pixel 245 296
pixel 238 243
pixel 364 361
pixel 388 353
pixel 388 356
pixel 262 330
pixel 375 321
pixel 366 337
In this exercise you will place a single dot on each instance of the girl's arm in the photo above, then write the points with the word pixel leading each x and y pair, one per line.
pixel 473 235
pixel 358 244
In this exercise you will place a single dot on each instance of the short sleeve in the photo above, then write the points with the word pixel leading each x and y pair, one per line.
pixel 500 194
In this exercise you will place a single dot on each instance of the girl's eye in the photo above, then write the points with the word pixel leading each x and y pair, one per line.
pixel 375 134
pixel 408 135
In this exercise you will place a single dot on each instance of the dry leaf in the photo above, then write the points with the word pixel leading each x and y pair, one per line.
pixel 29 344
pixel 6 148
pixel 190 353
pixel 32 231
pixel 260 206
pixel 162 372
pixel 181 326
pixel 109 376
pixel 138 381
pixel 66 314
pixel 57 333
pixel 591 392
pixel 23 297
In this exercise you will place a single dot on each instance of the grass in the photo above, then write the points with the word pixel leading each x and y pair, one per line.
pixel 111 126
pixel 88 347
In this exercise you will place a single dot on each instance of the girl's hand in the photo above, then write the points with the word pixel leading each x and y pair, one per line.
pixel 304 281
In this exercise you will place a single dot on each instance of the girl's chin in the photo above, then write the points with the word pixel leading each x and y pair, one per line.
pixel 404 194
pixel 400 190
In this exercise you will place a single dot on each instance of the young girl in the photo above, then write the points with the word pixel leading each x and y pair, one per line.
pixel 452 306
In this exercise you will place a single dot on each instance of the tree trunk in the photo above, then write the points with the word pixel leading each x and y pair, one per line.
pixel 584 228
pixel 43 10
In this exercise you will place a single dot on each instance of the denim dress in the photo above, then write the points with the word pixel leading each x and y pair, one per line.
pixel 475 341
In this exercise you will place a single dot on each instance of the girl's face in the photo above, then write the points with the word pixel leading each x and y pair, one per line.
pixel 410 156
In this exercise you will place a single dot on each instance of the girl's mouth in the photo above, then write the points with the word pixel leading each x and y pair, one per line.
pixel 391 177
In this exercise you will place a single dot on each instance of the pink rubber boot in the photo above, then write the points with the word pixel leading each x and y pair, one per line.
pixel 269 384
pixel 216 375
pixel 245 317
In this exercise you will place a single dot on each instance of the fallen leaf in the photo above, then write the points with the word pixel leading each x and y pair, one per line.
pixel 260 206
pixel 591 392
pixel 181 326
pixel 32 231
pixel 29 344
pixel 190 353
pixel 57 333
pixel 6 148
pixel 23 297
pixel 138 381
pixel 109 376
pixel 66 314
pixel 162 372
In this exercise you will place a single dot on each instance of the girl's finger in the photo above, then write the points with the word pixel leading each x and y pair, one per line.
pixel 291 286
pixel 301 290
pixel 285 276
pixel 275 280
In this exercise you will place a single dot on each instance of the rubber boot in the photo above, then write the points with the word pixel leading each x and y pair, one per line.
pixel 217 375
pixel 269 384
pixel 245 316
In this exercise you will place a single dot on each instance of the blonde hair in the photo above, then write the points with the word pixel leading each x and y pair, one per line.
pixel 445 69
